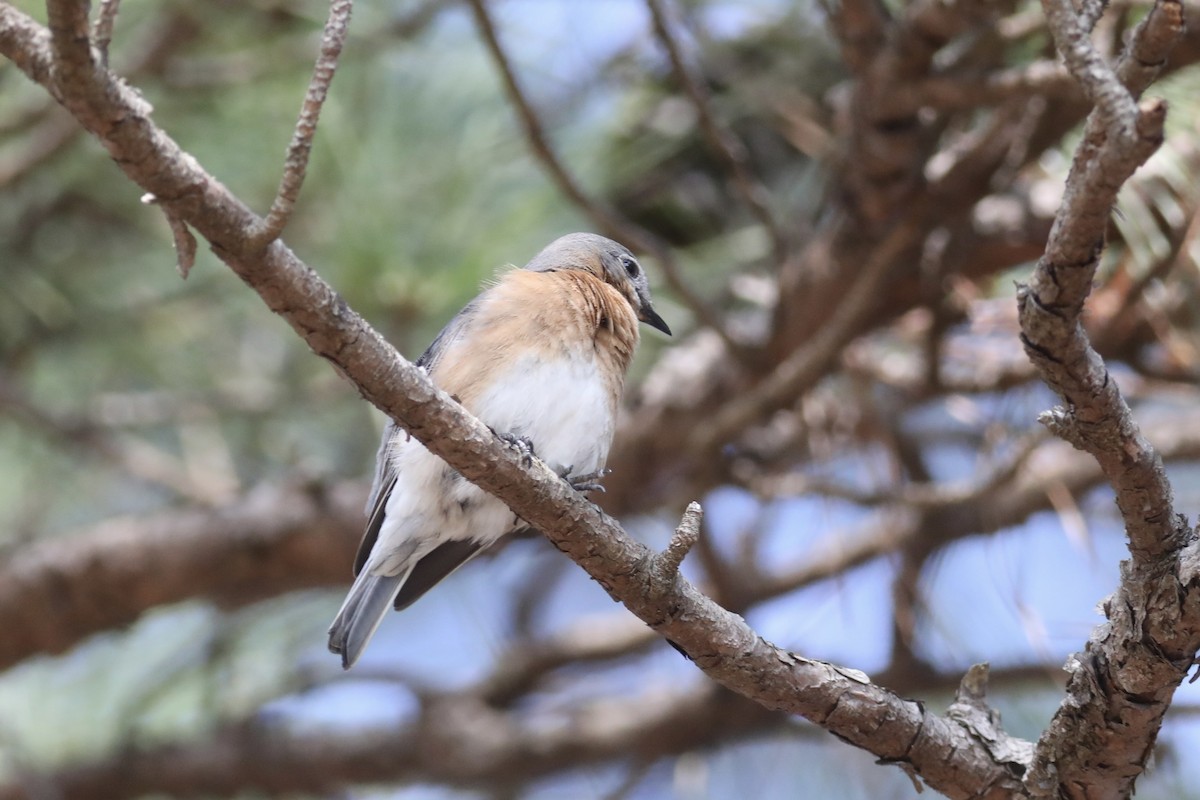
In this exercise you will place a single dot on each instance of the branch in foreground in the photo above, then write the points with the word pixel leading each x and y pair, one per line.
pixel 943 752
pixel 311 534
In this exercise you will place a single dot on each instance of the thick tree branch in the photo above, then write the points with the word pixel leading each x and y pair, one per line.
pixel 1122 684
pixel 56 592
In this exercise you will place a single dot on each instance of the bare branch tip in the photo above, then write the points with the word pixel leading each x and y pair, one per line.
pixel 974 684
pixel 688 532
pixel 102 31
pixel 333 39
pixel 1062 424
pixel 182 237
pixel 1152 114
pixel 667 563
pixel 185 246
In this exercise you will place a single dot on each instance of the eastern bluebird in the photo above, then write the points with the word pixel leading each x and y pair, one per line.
pixel 540 357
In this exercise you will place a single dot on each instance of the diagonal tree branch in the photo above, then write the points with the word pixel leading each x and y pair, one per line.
pixel 50 591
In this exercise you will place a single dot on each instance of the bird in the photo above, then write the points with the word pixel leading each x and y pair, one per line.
pixel 539 356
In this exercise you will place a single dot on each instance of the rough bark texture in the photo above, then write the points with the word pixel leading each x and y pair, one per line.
pixel 1121 685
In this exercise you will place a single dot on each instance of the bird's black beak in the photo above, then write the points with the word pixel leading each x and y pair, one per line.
pixel 649 316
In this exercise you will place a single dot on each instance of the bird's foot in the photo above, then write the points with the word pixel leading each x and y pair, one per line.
pixel 585 483
pixel 522 444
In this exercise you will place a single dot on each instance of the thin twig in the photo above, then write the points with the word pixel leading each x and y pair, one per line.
pixel 606 219
pixel 667 563
pixel 185 242
pixel 296 163
pixel 727 147
pixel 185 246
pixel 907 604
pixel 102 32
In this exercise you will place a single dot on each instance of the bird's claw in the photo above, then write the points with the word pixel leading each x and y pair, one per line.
pixel 580 483
pixel 522 444
pixel 585 483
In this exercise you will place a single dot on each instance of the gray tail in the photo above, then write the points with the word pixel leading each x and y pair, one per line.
pixel 369 600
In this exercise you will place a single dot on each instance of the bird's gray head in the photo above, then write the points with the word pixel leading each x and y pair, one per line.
pixel 607 260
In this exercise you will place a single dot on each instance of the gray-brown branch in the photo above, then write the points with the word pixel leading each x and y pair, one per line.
pixel 1122 684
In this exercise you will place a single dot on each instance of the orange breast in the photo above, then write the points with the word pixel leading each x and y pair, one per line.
pixel 564 314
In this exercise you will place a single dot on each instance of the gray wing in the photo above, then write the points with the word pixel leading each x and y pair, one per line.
pixel 385 476
pixel 432 568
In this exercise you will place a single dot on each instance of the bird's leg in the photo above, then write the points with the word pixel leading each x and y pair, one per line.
pixel 580 483
pixel 522 444
pixel 584 483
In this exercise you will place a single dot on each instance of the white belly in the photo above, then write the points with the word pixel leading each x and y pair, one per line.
pixel 563 407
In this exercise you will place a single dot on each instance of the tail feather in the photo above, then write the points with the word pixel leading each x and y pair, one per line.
pixel 369 600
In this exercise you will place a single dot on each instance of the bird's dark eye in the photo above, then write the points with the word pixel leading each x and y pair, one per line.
pixel 631 266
